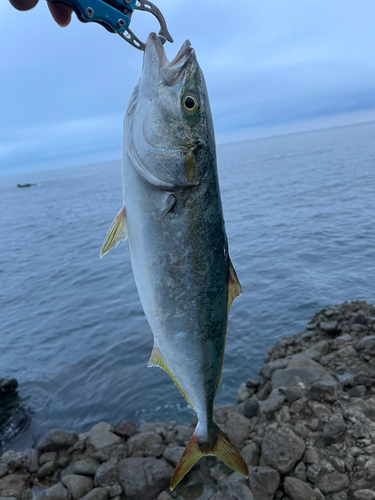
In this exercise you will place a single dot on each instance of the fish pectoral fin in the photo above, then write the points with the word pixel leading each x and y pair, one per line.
pixel 117 229
pixel 234 287
pixel 156 359
pixel 217 445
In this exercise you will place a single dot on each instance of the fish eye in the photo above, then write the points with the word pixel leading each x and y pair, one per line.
pixel 190 104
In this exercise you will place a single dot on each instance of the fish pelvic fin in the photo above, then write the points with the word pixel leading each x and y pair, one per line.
pixel 156 359
pixel 117 229
pixel 234 286
pixel 221 447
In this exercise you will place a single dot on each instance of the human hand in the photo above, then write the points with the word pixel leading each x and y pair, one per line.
pixel 61 13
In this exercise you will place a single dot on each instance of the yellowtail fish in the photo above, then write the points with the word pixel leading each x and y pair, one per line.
pixel 173 220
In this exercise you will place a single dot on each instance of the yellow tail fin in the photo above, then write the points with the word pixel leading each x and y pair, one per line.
pixel 222 448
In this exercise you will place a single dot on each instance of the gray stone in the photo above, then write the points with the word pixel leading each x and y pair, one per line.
pixel 125 428
pixel 144 478
pixel 309 375
pixel 184 433
pixel 31 460
pixel 369 469
pixel 358 318
pixel 264 391
pixel 13 485
pixel 55 492
pixel 282 449
pixel 155 450
pixel 317 351
pixel 263 482
pixel 234 425
pixel 166 496
pixel 115 453
pixel 48 456
pixel 114 490
pixel 311 456
pixel 333 482
pixel 84 467
pixel 357 328
pixel 268 369
pixel 4 469
pixel 142 441
pixel 295 390
pixel 300 471
pixel 323 391
pixel 236 487
pixel 342 495
pixel 100 436
pixel 252 383
pixel 47 469
pixel 334 430
pixel 366 344
pixel 318 494
pixel 251 406
pixel 250 453
pixel 272 404
pixel 243 393
pixel 329 326
pixel 56 441
pixel 14 459
pixel 106 475
pixel 346 352
pixel 173 454
pixel 96 494
pixel 359 391
pixel 158 427
pixel 297 489
pixel 364 495
pixel 78 486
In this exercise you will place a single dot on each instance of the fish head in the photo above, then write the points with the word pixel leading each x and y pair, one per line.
pixel 169 130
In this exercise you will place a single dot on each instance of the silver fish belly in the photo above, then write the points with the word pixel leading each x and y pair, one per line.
pixel 172 217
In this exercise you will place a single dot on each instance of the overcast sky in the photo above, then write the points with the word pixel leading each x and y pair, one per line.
pixel 271 66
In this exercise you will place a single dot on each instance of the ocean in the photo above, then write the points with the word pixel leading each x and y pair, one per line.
pixel 300 219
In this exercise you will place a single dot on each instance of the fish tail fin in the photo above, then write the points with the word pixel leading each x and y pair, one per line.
pixel 220 446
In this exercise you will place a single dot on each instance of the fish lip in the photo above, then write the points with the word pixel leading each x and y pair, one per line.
pixel 154 45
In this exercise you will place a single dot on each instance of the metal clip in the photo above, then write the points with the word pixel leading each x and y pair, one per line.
pixel 164 34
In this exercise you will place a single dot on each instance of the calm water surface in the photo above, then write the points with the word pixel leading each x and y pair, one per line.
pixel 300 218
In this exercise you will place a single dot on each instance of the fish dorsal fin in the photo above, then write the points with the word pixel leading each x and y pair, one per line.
pixel 234 287
pixel 156 359
pixel 117 229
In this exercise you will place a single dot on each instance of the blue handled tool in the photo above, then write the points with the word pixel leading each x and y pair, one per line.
pixel 115 16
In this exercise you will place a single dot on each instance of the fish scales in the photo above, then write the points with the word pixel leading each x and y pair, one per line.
pixel 173 220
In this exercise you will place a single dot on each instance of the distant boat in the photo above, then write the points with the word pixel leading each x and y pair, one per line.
pixel 25 185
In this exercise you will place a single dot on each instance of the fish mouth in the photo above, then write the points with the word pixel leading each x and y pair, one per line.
pixel 156 64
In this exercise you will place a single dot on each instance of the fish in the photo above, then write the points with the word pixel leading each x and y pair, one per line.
pixel 173 221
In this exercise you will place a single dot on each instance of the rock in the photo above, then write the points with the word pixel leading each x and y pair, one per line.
pixel 333 482
pixel 268 369
pixel 243 393
pixel 47 469
pixel 250 408
pixel 342 495
pixel 144 478
pixel 295 391
pixel 263 482
pixel 272 404
pixel 31 460
pixel 346 352
pixel 264 391
pixel 369 469
pixel 282 449
pixel 311 456
pixel 360 391
pixel 297 489
pixel 114 490
pixel 252 383
pixel 100 436
pixel 184 433
pixel 309 375
pixel 300 471
pixel 329 326
pixel 78 486
pixel 317 351
pixel 55 492
pixel 13 485
pixel 4 469
pixel 48 456
pixel 364 495
pixel 165 496
pixel 106 475
pixel 125 428
pixel 365 344
pixel 323 391
pixel 358 318
pixel 84 467
pixel 318 494
pixel 334 430
pixel 236 488
pixel 234 425
pixel 173 454
pixel 142 441
pixel 14 459
pixel 56 441
pixel 96 494
pixel 158 427
pixel 250 454
pixel 155 450
pixel 115 453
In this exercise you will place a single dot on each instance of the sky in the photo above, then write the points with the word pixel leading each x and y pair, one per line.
pixel 271 67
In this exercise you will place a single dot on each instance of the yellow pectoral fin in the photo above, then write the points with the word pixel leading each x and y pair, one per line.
pixel 117 229
pixel 157 359
pixel 234 287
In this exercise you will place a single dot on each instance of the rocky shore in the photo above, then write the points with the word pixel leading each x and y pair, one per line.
pixel 305 427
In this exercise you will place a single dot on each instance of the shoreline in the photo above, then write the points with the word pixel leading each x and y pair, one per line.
pixel 305 427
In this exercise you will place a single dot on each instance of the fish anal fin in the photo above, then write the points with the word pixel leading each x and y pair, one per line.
pixel 117 229
pixel 234 287
pixel 219 445
pixel 156 359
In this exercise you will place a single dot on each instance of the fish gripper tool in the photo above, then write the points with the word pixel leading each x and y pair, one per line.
pixel 115 16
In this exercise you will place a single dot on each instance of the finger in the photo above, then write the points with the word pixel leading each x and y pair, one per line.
pixel 23 4
pixel 61 13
